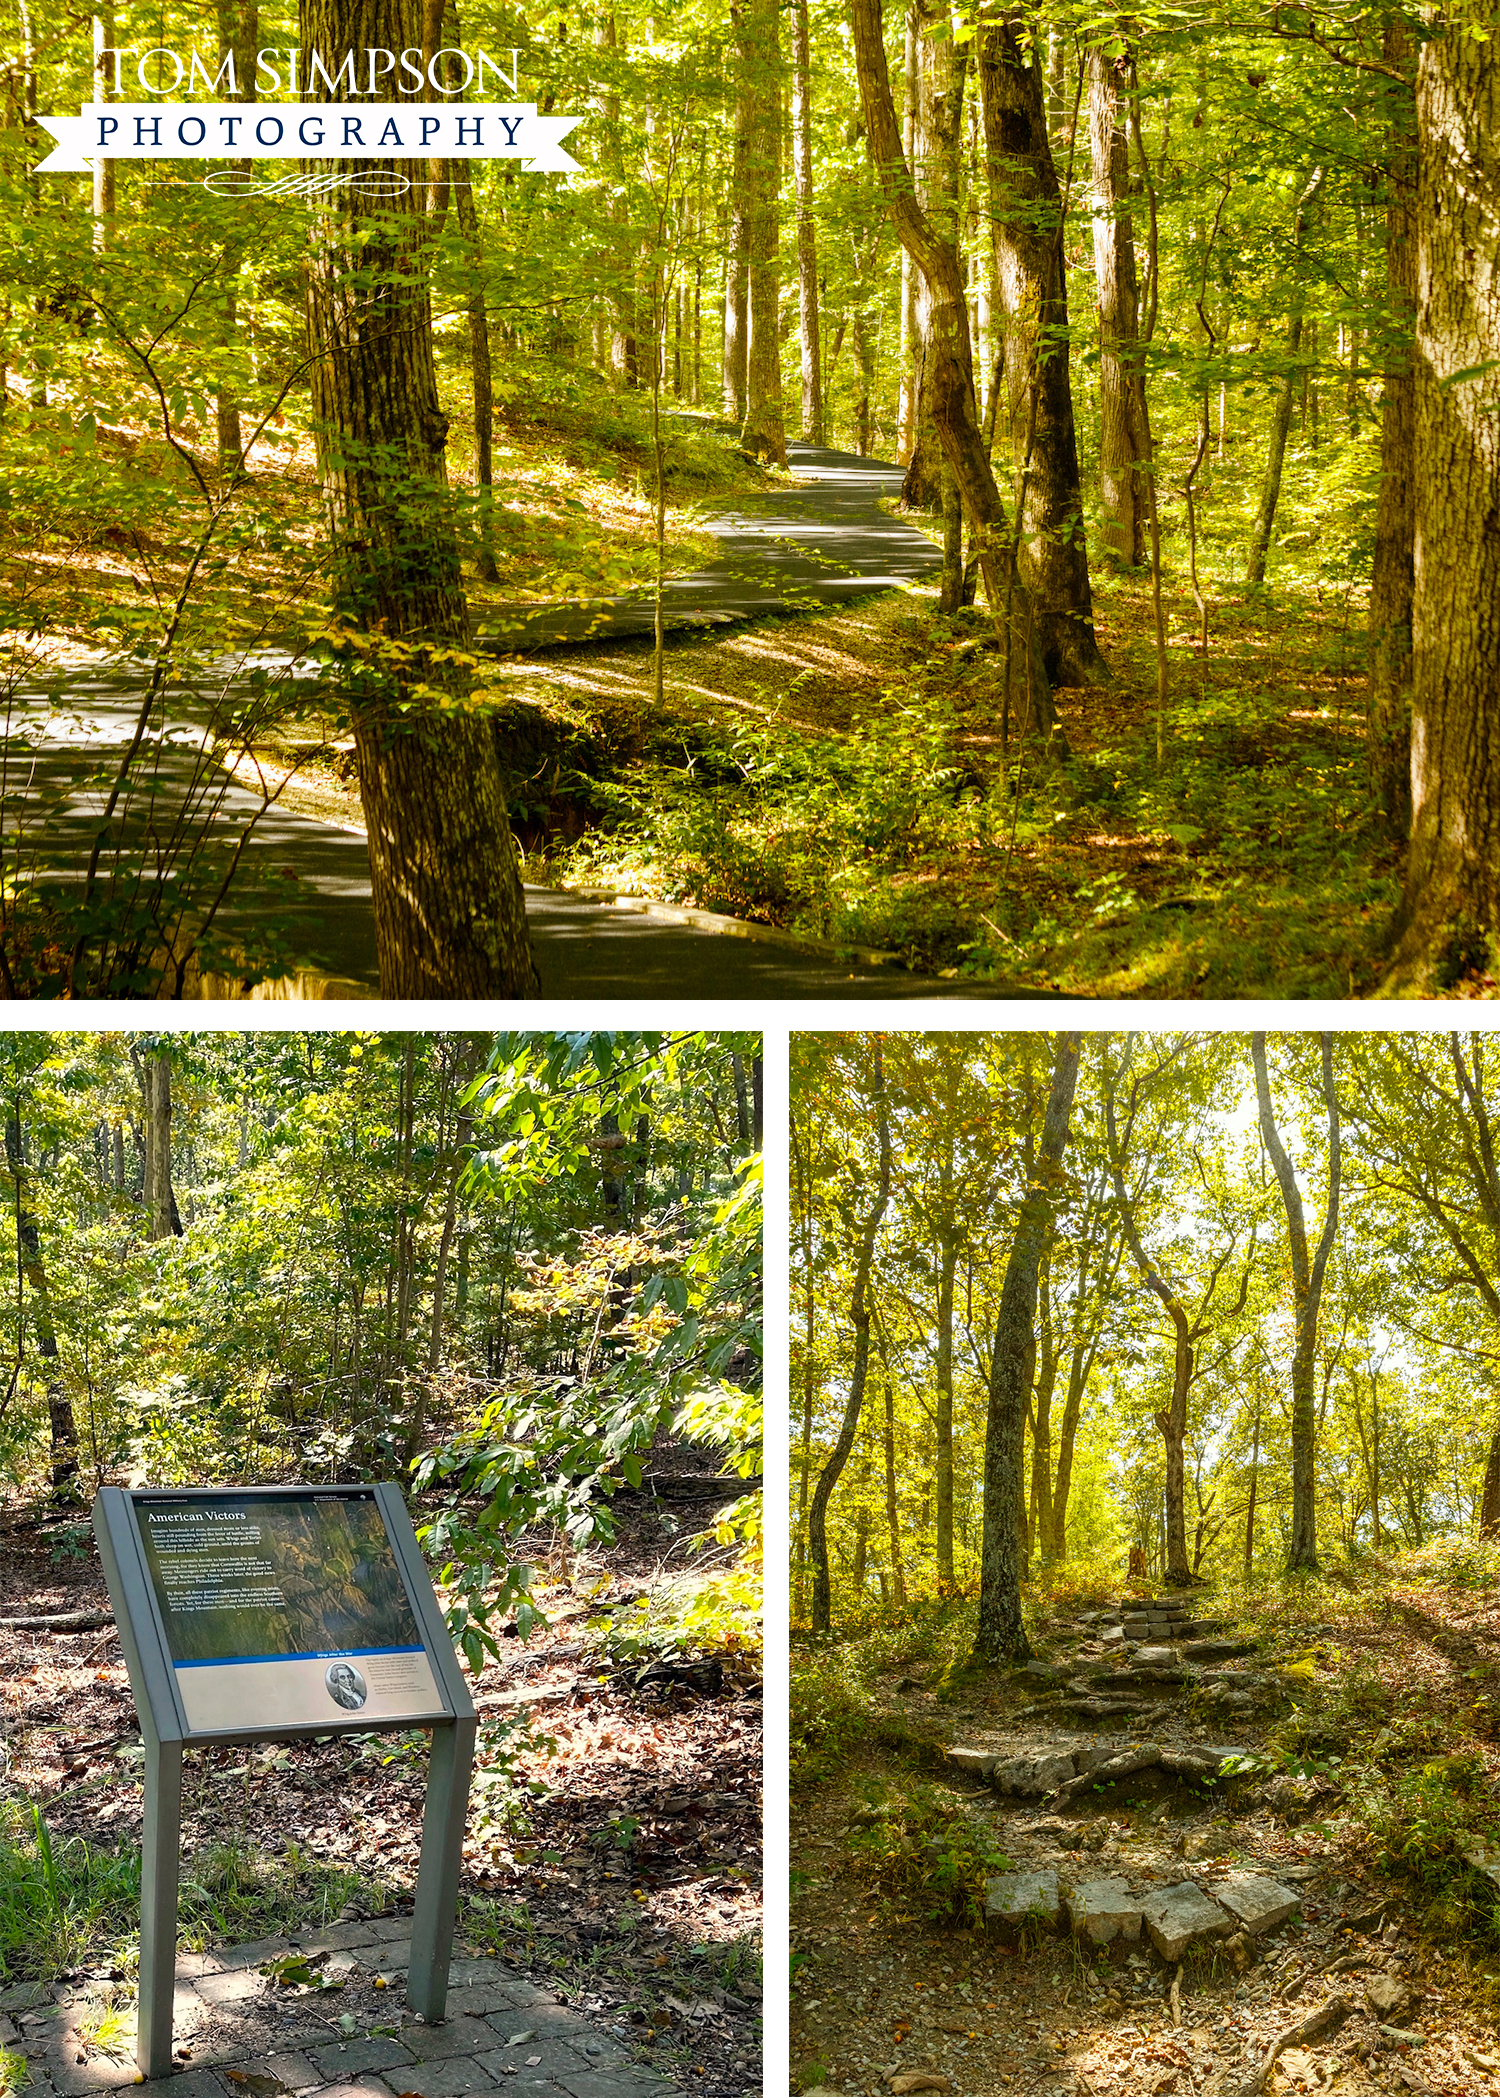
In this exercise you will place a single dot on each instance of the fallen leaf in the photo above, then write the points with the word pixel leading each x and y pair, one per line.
pixel 912 2080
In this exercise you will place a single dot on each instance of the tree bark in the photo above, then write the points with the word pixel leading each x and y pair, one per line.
pixel 1307 1293
pixel 859 1319
pixel 450 919
pixel 1122 498
pixel 1450 914
pixel 1000 1635
pixel 807 240
pixel 1281 420
pixel 1026 210
pixel 949 377
pixel 759 25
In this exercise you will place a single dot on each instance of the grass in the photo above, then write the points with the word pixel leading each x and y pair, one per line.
pixel 71 1903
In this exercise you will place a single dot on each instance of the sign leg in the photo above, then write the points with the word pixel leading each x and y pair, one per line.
pixel 443 1819
pixel 160 1842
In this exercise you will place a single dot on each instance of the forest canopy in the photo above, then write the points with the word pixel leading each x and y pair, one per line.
pixel 1264 1329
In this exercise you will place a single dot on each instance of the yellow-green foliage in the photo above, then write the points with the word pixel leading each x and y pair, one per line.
pixel 926 1851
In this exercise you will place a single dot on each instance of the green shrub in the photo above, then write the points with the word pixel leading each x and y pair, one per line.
pixel 924 1849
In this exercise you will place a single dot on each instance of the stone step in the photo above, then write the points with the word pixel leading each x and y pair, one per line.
pixel 1107 1910
pixel 1217 1649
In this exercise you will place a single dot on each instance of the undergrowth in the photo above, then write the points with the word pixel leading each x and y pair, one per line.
pixel 1246 857
pixel 66 1902
pixel 925 1851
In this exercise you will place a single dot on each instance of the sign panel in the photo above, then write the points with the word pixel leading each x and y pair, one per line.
pixel 285 1609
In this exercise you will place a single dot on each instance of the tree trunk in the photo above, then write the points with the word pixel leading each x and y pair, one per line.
pixel 1281 420
pixel 161 1208
pixel 737 268
pixel 859 1319
pixel 892 1515
pixel 1000 1635
pixel 1452 898
pixel 239 34
pixel 1250 1502
pixel 1307 1293
pixel 483 385
pixel 1392 573
pixel 450 919
pixel 803 1188
pixel 32 1269
pixel 1026 217
pixel 1489 1507
pixel 807 244
pixel 1121 494
pixel 104 91
pixel 758 23
pixel 949 377
pixel 943 1412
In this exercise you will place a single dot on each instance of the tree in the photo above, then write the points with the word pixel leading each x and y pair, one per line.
pixel 1451 902
pixel 948 377
pixel 1127 1095
pixel 449 915
pixel 1000 1634
pixel 1120 462
pixel 859 1318
pixel 1281 421
pixel 759 24
pixel 807 242
pixel 1392 571
pixel 1027 218
pixel 1307 1293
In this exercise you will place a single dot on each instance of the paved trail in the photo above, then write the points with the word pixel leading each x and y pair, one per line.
pixel 825 543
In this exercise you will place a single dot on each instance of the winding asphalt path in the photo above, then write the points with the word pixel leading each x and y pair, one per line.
pixel 825 543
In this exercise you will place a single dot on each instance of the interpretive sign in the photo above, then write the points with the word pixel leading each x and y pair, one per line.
pixel 270 1613
pixel 285 1610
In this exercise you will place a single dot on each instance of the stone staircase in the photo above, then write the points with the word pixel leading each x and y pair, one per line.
pixel 1138 1657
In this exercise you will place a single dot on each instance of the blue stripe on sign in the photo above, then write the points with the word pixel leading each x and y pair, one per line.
pixel 343 1653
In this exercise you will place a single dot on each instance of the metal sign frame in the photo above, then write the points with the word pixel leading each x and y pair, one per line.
pixel 165 1731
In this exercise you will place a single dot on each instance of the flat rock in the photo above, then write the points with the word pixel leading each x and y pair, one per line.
pixel 1256 1903
pixel 1216 1649
pixel 1178 1916
pixel 1028 1777
pixel 1013 1897
pixel 1102 1910
pixel 1157 1657
pixel 1387 1995
pixel 974 1762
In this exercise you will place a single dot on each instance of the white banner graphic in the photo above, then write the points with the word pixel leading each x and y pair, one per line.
pixel 308 131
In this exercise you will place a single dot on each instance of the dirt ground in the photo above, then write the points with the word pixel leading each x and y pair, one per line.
pixel 882 1993
pixel 634 1893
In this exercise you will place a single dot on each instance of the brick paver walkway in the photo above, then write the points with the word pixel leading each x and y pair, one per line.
pixel 240 2034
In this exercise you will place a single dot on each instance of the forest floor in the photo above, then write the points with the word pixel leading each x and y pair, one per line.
pixel 629 1885
pixel 1374 1716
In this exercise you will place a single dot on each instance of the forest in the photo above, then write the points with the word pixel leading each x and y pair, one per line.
pixel 1176 323
pixel 519 1273
pixel 1145 1521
